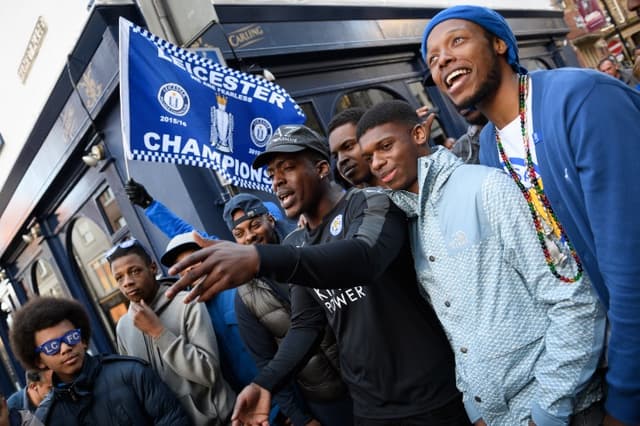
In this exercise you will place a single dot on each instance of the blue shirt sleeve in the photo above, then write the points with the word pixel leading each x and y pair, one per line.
pixel 168 222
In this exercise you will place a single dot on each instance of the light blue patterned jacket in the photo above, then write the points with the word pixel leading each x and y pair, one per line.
pixel 526 344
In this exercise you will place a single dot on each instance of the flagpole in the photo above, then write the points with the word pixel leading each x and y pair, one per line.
pixel 124 27
pixel 126 167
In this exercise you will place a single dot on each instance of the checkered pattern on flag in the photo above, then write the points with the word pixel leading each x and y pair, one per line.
pixel 179 107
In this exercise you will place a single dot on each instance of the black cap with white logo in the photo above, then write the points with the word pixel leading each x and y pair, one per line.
pixel 292 138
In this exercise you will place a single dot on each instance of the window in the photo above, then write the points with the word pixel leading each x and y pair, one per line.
pixel 438 135
pixel 532 64
pixel 111 210
pixel 89 243
pixel 312 117
pixel 363 98
pixel 45 280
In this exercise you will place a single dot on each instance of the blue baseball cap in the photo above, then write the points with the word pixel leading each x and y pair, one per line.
pixel 251 205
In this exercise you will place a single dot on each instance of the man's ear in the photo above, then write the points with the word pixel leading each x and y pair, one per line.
pixel 154 268
pixel 271 219
pixel 323 168
pixel 419 135
pixel 499 46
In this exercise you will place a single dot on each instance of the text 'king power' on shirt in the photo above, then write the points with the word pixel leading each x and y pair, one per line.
pixel 394 355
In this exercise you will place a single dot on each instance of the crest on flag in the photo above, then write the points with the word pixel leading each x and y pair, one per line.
pixel 174 99
pixel 179 107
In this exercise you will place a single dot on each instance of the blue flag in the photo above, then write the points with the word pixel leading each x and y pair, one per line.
pixel 179 107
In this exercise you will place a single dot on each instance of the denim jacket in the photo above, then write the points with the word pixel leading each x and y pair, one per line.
pixel 526 344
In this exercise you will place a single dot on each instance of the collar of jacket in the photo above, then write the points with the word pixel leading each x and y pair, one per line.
pixel 81 385
pixel 433 172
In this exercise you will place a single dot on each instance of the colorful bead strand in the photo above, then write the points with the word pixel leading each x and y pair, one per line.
pixel 535 183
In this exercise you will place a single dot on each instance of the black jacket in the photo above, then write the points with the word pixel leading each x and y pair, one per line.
pixel 112 390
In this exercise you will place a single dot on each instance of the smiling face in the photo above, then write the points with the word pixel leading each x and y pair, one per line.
pixel 297 182
pixel 465 61
pixel 257 230
pixel 392 151
pixel 67 363
pixel 135 277
pixel 346 151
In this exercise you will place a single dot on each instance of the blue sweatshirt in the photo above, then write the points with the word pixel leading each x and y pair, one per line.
pixel 587 140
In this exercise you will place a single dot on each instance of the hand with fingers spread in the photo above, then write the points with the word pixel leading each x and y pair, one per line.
pixel 218 266
pixel 252 407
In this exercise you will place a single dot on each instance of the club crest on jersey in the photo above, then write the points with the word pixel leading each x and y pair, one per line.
pixel 336 225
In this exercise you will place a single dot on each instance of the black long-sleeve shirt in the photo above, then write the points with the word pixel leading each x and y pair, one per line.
pixel 262 346
pixel 358 272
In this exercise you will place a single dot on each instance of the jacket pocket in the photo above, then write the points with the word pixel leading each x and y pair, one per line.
pixel 496 378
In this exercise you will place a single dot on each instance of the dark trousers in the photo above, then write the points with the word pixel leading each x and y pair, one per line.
pixel 450 414
pixel 338 412
pixel 590 416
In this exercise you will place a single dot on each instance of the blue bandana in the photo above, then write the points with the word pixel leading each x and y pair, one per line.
pixel 488 19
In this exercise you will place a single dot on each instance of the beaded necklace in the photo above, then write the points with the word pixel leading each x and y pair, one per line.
pixel 535 182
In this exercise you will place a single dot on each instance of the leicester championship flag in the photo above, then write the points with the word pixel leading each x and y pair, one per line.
pixel 179 107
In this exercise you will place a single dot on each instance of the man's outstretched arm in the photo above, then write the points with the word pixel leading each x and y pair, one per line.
pixel 376 234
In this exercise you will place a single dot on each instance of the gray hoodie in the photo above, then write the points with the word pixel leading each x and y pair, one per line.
pixel 185 356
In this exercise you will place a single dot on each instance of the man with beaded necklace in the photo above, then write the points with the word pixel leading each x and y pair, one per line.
pixel 563 128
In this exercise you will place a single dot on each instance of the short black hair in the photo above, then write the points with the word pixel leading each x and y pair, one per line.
pixel 349 115
pixel 136 248
pixel 33 376
pixel 394 111
pixel 40 313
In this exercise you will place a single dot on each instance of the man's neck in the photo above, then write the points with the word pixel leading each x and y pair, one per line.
pixel 502 108
pixel 327 202
pixel 152 296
